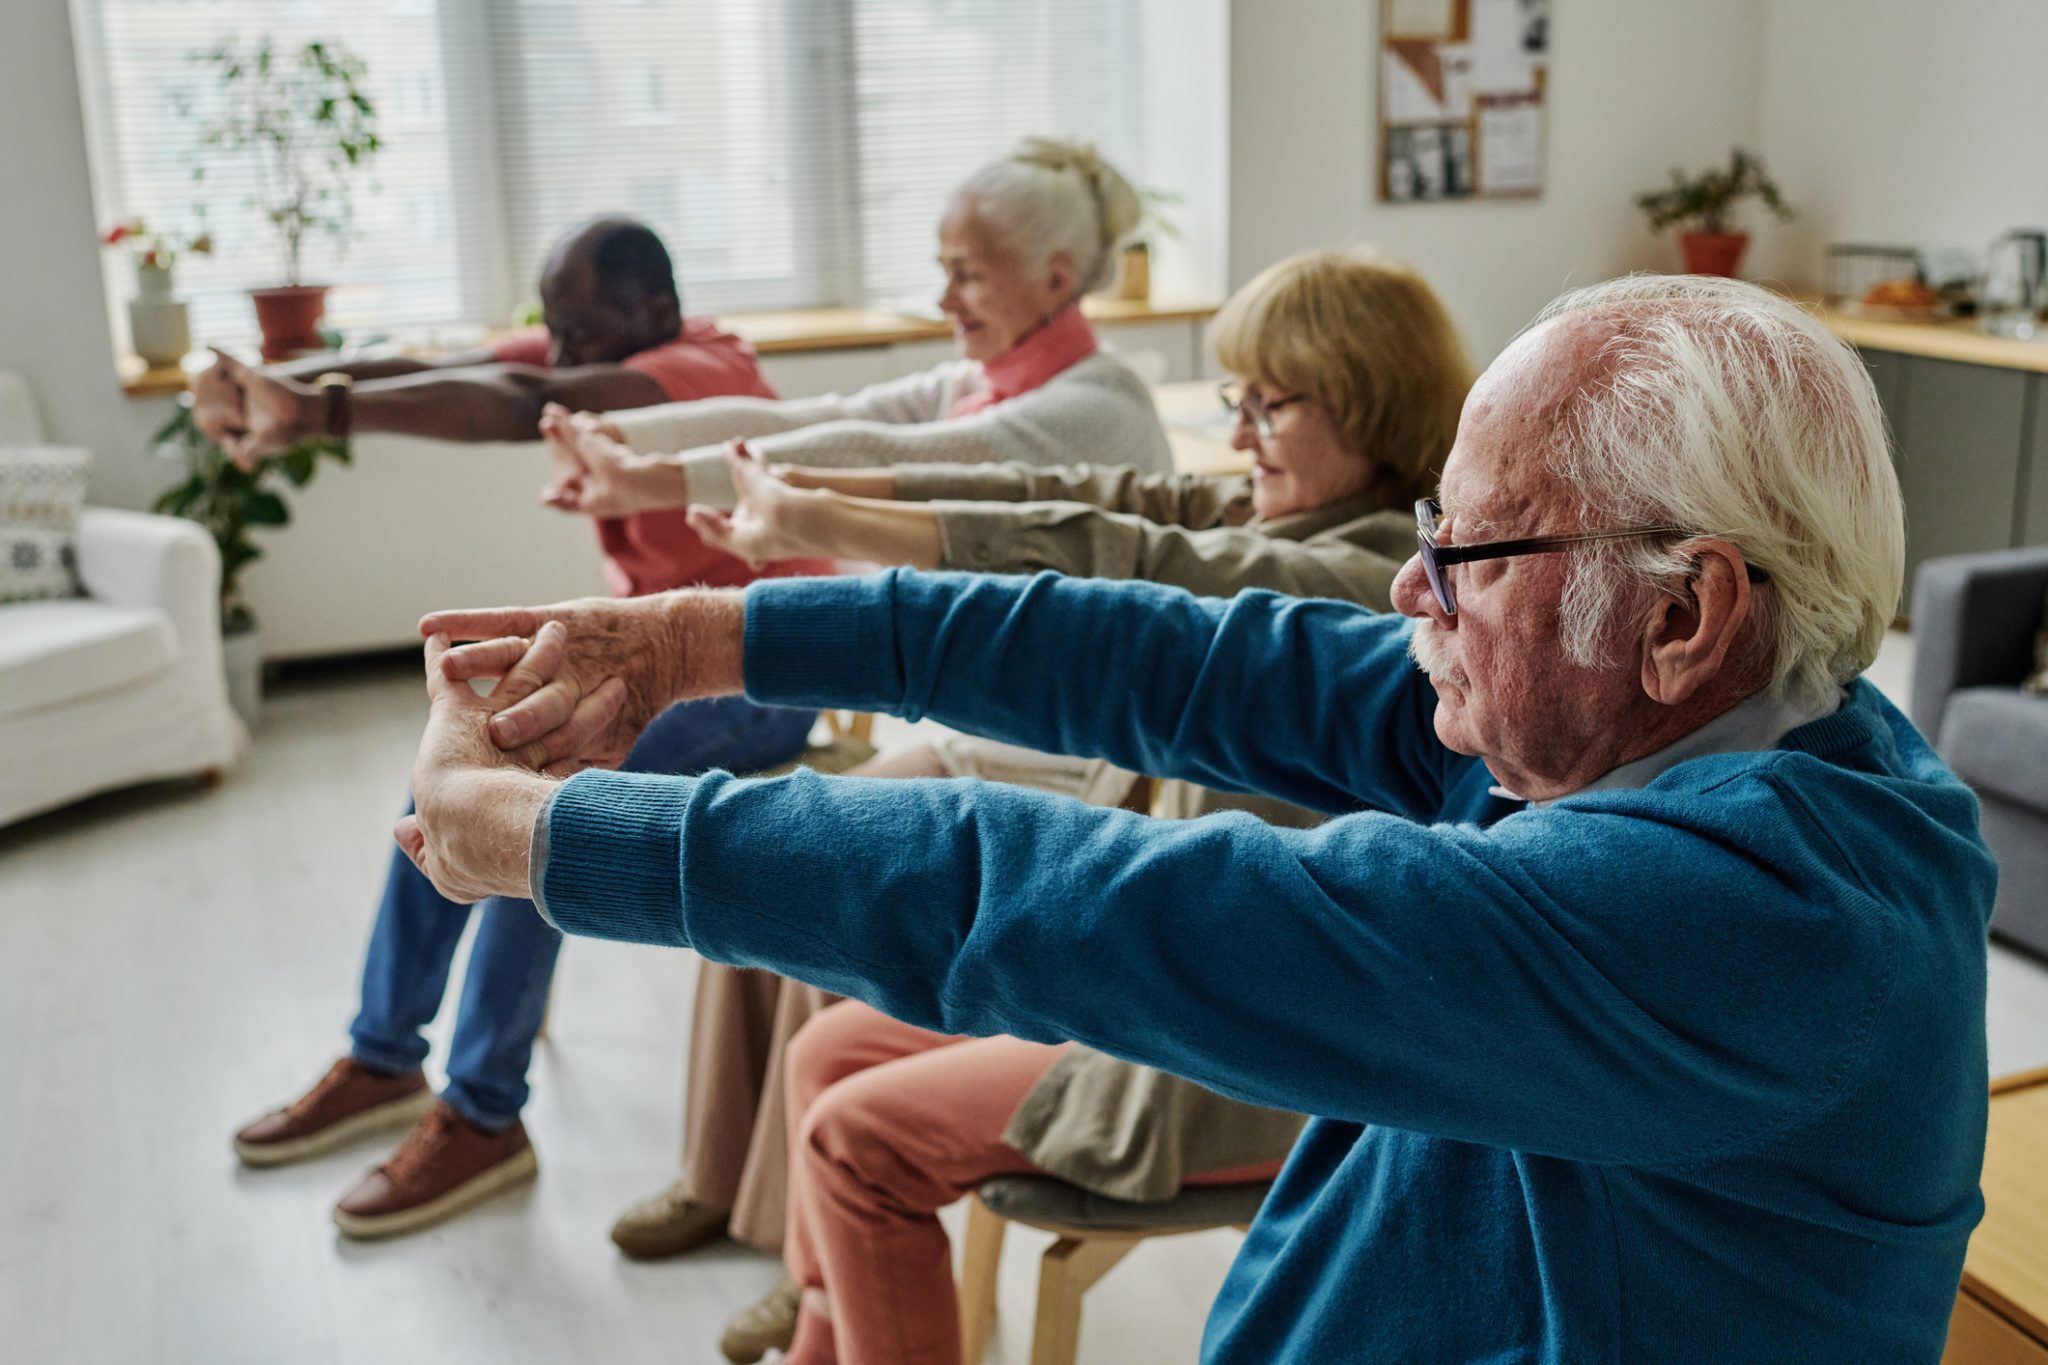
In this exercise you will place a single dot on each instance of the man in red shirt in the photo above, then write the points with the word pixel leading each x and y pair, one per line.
pixel 615 336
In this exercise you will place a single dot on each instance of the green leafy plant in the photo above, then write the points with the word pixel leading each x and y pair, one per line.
pixel 1704 200
pixel 303 118
pixel 229 501
pixel 1158 218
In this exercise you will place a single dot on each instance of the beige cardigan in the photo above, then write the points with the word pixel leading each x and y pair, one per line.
pixel 1119 1129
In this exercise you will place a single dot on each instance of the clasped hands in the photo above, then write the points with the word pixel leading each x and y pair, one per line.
pixel 253 415
pixel 599 475
pixel 576 683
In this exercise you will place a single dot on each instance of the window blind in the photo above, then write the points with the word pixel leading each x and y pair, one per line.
pixel 943 86
pixel 399 268
pixel 790 152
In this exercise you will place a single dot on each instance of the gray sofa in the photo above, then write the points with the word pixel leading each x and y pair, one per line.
pixel 1974 622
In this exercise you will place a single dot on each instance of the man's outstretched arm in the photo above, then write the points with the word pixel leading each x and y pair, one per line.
pixel 1314 702
pixel 484 402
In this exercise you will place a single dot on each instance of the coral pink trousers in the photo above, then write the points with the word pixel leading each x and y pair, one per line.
pixel 888 1125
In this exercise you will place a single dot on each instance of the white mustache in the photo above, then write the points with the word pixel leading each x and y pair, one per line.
pixel 1426 647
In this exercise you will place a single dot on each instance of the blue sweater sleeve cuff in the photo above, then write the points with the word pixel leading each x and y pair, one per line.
pixel 614 857
pixel 824 642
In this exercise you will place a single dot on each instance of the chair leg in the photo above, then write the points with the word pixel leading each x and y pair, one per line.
pixel 1064 1275
pixel 979 1261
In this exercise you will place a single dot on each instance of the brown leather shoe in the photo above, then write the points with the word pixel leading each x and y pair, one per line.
pixel 349 1102
pixel 768 1325
pixel 666 1224
pixel 445 1165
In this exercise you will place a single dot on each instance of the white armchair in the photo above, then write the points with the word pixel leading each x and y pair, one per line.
pixel 123 685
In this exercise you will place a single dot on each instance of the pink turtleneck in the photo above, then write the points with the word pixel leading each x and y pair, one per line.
pixel 1062 340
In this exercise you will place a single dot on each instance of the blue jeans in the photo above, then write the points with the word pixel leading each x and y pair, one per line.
pixel 505 994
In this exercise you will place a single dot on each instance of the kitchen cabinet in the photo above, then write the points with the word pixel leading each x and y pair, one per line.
pixel 1960 446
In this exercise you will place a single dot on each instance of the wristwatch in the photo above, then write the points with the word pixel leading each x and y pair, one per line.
pixel 336 385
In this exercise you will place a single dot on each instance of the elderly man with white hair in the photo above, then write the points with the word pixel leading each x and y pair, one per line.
pixel 1640 992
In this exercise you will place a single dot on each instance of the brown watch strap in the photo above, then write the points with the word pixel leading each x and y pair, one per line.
pixel 340 412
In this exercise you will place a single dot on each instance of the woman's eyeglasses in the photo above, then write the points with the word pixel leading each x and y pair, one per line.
pixel 1240 404
pixel 1436 559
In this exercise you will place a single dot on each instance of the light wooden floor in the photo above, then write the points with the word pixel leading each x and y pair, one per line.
pixel 173 961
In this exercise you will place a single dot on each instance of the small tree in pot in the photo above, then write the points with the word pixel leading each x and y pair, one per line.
pixel 230 502
pixel 1712 247
pixel 304 121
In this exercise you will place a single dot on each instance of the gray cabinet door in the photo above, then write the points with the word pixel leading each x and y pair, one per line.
pixel 2033 525
pixel 1888 373
pixel 1959 449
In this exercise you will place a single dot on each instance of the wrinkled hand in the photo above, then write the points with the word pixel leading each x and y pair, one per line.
pixel 474 806
pixel 653 650
pixel 593 464
pixel 766 521
pixel 274 413
pixel 217 408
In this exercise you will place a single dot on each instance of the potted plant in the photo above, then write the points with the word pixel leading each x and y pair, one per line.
pixel 1134 276
pixel 1712 247
pixel 230 502
pixel 303 118
pixel 159 329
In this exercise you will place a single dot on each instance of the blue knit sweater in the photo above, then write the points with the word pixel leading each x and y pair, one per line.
pixel 1690 1072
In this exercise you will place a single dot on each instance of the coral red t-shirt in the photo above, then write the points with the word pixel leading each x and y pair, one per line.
pixel 656 551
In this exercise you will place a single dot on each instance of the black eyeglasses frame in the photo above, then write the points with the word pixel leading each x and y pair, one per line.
pixel 1436 558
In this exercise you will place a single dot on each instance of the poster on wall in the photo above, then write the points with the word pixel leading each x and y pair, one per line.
pixel 1461 99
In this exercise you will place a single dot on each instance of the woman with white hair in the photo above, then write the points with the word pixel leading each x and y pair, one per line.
pixel 1023 240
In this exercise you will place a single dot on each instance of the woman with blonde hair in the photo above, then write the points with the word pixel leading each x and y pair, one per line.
pixel 1349 382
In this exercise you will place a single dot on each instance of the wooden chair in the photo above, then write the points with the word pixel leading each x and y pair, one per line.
pixel 1094 1234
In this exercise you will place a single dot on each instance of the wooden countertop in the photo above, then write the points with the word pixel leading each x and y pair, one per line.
pixel 1198 429
pixel 2007 1263
pixel 1952 339
pixel 793 330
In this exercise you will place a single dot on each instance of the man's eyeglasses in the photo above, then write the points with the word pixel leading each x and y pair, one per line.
pixel 1239 404
pixel 1436 559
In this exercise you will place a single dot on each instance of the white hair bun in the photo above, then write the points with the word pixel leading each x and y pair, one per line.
pixel 1050 195
pixel 1116 201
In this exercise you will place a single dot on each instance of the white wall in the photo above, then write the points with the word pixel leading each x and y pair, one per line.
pixel 1187 124
pixel 1634 87
pixel 1908 122
pixel 53 318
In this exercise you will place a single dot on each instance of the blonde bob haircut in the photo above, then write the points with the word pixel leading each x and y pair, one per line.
pixel 1368 339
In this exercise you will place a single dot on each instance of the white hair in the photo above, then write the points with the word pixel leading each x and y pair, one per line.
pixel 1728 410
pixel 1049 196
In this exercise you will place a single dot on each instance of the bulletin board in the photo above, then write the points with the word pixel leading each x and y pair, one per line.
pixel 1462 86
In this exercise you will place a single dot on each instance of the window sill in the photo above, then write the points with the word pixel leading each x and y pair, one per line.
pixel 779 333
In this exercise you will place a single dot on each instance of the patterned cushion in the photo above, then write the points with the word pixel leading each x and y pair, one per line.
pixel 42 492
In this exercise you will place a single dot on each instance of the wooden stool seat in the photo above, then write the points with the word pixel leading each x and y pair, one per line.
pixel 1095 1233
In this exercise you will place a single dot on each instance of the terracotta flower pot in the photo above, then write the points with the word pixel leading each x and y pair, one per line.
pixel 290 318
pixel 1712 253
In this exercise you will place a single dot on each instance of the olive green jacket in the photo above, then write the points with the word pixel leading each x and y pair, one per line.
pixel 1110 1126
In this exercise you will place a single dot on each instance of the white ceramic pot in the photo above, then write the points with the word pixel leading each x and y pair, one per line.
pixel 242 656
pixel 159 326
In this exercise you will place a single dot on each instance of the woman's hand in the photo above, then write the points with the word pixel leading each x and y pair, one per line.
pixel 854 483
pixel 769 519
pixel 595 470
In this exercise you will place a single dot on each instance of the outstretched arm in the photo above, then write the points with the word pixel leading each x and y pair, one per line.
pixel 1313 702
pixel 492 402
pixel 1488 986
